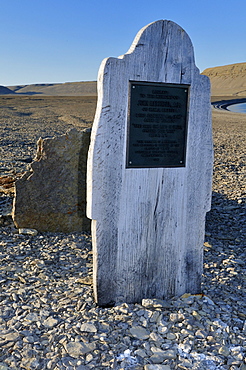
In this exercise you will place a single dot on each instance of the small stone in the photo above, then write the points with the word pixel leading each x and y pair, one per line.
pixel 104 327
pixel 158 355
pixel 157 358
pixel 187 364
pixel 155 337
pixel 29 339
pixel 87 280
pixel 157 367
pixel 170 354
pixel 32 316
pixel 171 336
pixel 187 299
pixel 157 350
pixel 140 352
pixel 139 332
pixel 208 301
pixel 11 337
pixel 155 316
pixel 196 315
pixel 32 232
pixel 34 363
pixel 175 317
pixel 51 364
pixel 88 327
pixel 210 339
pixel 50 322
pixel 185 347
pixel 224 351
pixel 88 357
pixel 155 303
pixel 77 349
pixel 237 353
pixel 200 334
pixel 162 329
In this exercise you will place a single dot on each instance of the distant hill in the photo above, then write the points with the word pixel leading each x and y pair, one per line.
pixel 85 88
pixel 4 90
pixel 229 80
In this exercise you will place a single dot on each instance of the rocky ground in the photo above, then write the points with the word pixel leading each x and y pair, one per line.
pixel 48 318
pixel 24 119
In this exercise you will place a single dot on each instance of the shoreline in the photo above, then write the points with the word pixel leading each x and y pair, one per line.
pixel 224 104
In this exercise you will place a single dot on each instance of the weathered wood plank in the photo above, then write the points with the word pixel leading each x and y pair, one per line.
pixel 148 224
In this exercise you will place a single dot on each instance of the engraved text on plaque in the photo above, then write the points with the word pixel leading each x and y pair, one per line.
pixel 157 125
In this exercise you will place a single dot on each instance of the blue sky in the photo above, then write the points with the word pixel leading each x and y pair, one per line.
pixel 48 41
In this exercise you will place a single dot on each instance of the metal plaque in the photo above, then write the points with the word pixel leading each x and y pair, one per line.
pixel 157 125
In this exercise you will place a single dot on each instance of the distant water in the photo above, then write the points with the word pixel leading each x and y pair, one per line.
pixel 238 108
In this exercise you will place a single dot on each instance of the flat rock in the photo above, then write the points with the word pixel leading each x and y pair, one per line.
pixel 154 303
pixel 139 332
pixel 50 322
pixel 11 337
pixel 157 367
pixel 32 232
pixel 77 349
pixel 88 327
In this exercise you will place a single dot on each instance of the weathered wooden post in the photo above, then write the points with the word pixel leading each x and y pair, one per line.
pixel 150 169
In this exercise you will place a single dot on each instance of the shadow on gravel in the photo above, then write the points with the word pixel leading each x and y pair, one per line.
pixel 224 251
pixel 226 220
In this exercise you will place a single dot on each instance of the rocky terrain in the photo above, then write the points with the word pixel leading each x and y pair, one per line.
pixel 229 80
pixel 24 119
pixel 48 318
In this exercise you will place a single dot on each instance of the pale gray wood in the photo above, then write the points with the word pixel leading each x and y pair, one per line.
pixel 148 224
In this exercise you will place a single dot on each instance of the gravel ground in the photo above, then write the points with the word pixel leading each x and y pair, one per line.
pixel 48 318
pixel 26 118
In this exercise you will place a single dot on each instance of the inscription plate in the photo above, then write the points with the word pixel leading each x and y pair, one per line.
pixel 157 125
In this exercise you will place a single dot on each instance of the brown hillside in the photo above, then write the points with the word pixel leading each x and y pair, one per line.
pixel 229 80
pixel 85 88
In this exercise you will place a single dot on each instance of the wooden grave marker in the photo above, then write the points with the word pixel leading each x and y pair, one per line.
pixel 150 169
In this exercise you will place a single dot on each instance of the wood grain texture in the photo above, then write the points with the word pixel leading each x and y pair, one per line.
pixel 148 224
